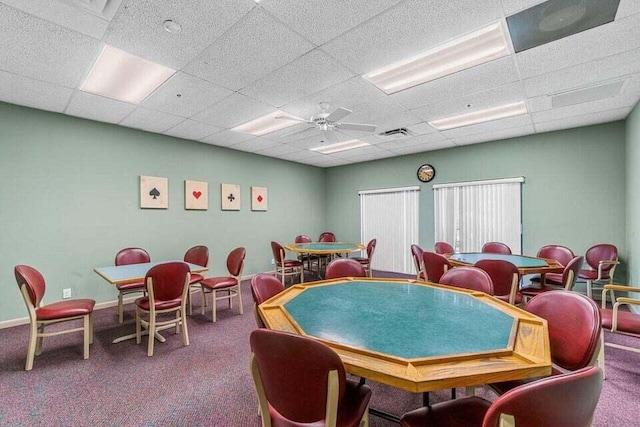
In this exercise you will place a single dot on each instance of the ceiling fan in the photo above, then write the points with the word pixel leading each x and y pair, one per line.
pixel 329 122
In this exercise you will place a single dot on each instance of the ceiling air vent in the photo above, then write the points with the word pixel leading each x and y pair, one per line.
pixel 395 133
pixel 588 94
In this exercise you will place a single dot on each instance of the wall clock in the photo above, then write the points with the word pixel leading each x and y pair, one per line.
pixel 426 173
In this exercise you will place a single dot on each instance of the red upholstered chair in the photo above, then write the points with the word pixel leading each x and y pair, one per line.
pixel 568 279
pixel 435 265
pixel 306 258
pixel 418 261
pixel 167 289
pixel 496 248
pixel 344 267
pixel 574 323
pixel 198 255
pixel 505 278
pixel 327 236
pixel 471 278
pixel 567 400
pixel 617 320
pixel 129 256
pixel 366 262
pixel 443 248
pixel 32 286
pixel 602 260
pixel 228 286
pixel 560 253
pixel 302 382
pixel 263 287
pixel 286 267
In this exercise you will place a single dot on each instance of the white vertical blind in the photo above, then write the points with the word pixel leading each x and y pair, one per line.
pixel 469 214
pixel 391 216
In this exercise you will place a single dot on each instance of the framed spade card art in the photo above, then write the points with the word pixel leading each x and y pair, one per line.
pixel 230 197
pixel 154 192
pixel 259 198
pixel 196 195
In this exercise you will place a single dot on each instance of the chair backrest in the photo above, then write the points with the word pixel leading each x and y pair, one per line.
pixel 496 248
pixel 235 261
pixel 560 400
pixel 132 256
pixel 294 373
pixel 502 273
pixel 601 252
pixel 371 247
pixel 302 238
pixel 416 254
pixel 198 255
pixel 443 248
pixel 33 280
pixel 278 252
pixel 264 286
pixel 168 281
pixel 574 326
pixel 560 253
pixel 327 236
pixel 344 267
pixel 435 265
pixel 468 278
pixel 571 271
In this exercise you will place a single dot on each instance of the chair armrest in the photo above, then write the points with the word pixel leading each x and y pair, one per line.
pixel 628 301
pixel 621 300
pixel 603 263
pixel 622 288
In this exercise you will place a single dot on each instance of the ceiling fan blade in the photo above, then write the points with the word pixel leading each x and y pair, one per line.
pixel 356 126
pixel 295 119
pixel 330 137
pixel 338 114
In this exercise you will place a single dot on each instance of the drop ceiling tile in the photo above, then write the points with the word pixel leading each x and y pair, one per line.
pixel 234 110
pixel 586 120
pixel 513 6
pixel 494 136
pixel 367 157
pixel 420 148
pixel 422 128
pixel 41 50
pixel 33 93
pixel 253 48
pixel 94 107
pixel 404 119
pixel 613 38
pixel 327 162
pixel 411 28
pixel 492 126
pixel 227 138
pixel 195 95
pixel 360 152
pixel 294 156
pixel 403 143
pixel 281 150
pixel 191 129
pixel 370 111
pixel 137 28
pixel 151 121
pixel 476 79
pixel 309 142
pixel 255 144
pixel 628 8
pixel 310 73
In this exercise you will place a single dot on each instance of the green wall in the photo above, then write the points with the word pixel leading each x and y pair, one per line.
pixel 70 200
pixel 573 192
pixel 633 195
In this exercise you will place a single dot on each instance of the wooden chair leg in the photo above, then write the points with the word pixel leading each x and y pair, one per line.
pixel 185 331
pixel 120 308
pixel 138 327
pixel 87 327
pixel 239 295
pixel 152 334
pixel 213 304
pixel 39 339
pixel 31 349
pixel 91 328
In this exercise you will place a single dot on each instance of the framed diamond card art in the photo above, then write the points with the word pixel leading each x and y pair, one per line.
pixel 259 198
pixel 196 195
pixel 230 197
pixel 154 192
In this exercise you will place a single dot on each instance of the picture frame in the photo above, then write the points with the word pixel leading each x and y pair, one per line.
pixel 259 199
pixel 154 192
pixel 196 195
pixel 230 197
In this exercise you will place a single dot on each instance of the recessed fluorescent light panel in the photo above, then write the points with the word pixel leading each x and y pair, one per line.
pixel 478 47
pixel 266 124
pixel 119 75
pixel 480 116
pixel 556 19
pixel 340 146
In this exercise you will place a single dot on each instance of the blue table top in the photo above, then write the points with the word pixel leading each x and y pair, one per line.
pixel 133 272
pixel 405 320
pixel 519 261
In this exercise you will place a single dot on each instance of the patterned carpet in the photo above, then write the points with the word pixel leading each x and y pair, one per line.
pixel 205 384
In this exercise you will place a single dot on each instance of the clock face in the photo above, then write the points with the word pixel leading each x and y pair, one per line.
pixel 426 173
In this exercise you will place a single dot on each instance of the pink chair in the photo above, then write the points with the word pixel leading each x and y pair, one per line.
pixel 602 260
pixel 344 267
pixel 496 248
pixel 263 287
pixel 443 248
pixel 366 262
pixel 505 278
pixel 302 382
pixel 418 262
pixel 568 279
pixel 306 258
pixel 129 256
pixel 32 286
pixel 198 255
pixel 286 267
pixel 167 289
pixel 435 265
pixel 471 278
pixel 619 320
pixel 228 286
pixel 560 253
pixel 327 236
pixel 567 400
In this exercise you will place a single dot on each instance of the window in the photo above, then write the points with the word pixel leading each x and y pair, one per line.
pixel 469 214
pixel 391 216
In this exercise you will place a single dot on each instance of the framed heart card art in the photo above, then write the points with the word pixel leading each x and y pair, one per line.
pixel 196 195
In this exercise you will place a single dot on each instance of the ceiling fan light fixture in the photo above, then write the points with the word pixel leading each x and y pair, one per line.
pixel 480 116
pixel 265 124
pixel 480 46
pixel 340 146
pixel 120 75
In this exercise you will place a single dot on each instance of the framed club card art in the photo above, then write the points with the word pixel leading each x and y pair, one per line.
pixel 230 197
pixel 154 192
pixel 196 195
pixel 259 198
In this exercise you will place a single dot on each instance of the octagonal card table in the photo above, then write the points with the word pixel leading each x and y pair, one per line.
pixel 413 335
pixel 525 264
pixel 324 249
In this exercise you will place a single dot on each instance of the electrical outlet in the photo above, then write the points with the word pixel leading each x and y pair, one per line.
pixel 273 261
pixel 66 293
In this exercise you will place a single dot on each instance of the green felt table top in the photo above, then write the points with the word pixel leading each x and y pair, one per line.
pixel 519 261
pixel 324 247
